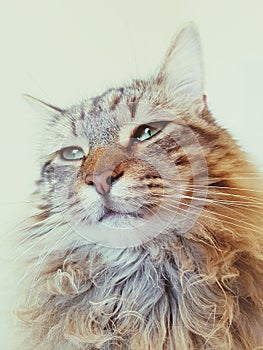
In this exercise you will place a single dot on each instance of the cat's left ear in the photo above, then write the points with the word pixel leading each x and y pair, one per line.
pixel 182 69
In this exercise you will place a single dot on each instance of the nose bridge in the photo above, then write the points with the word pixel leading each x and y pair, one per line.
pixel 102 159
pixel 93 160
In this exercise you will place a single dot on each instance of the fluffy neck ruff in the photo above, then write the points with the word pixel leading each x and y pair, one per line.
pixel 200 291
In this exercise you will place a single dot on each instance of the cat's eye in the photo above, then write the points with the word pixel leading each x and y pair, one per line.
pixel 71 153
pixel 145 132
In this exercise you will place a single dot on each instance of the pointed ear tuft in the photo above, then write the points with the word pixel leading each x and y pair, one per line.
pixel 48 108
pixel 182 69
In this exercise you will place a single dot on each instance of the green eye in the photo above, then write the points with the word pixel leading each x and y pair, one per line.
pixel 145 132
pixel 71 153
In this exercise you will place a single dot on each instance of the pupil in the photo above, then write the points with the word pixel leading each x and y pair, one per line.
pixel 148 131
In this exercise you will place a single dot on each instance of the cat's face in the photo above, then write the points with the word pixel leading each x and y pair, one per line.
pixel 123 167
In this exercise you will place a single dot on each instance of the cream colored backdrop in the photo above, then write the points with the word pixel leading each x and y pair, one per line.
pixel 61 50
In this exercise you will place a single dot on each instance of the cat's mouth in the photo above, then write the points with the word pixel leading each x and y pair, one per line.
pixel 110 213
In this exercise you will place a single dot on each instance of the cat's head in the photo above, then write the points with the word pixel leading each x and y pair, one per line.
pixel 130 164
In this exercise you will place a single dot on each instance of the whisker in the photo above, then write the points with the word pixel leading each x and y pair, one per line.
pixel 41 226
pixel 246 205
pixel 218 204
pixel 42 237
pixel 180 179
pixel 218 219
pixel 194 221
pixel 223 193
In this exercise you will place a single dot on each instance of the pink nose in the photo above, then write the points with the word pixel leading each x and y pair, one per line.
pixel 102 181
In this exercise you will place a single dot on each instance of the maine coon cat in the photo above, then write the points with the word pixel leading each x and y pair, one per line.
pixel 148 233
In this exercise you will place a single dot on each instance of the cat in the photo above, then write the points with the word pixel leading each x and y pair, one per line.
pixel 148 233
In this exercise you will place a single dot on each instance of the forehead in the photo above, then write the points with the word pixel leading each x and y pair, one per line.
pixel 100 119
pixel 111 117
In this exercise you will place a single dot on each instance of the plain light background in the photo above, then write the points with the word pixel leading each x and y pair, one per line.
pixel 62 50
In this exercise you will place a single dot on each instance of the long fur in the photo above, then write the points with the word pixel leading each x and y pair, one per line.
pixel 200 289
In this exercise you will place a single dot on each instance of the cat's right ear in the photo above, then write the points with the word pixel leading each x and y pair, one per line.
pixel 46 108
pixel 182 68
